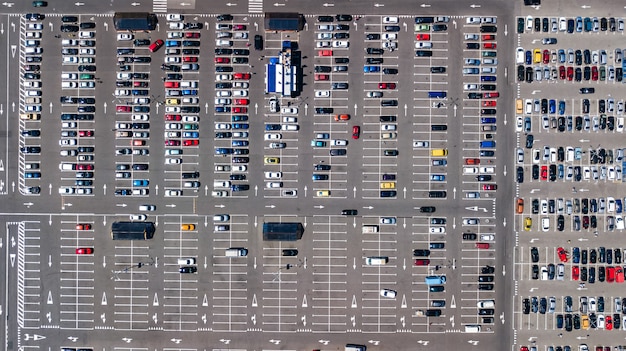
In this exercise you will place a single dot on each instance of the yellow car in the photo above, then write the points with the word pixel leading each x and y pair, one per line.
pixel 528 223
pixel 323 193
pixel 271 160
pixel 388 185
pixel 584 321
pixel 187 226
pixel 172 101
pixel 537 56
pixel 519 106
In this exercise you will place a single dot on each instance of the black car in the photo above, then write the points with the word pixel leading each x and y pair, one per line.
pixel 190 175
pixel 322 69
pixel 69 19
pixel 323 110
pixel 475 95
pixel 188 269
pixel 487 270
pixel 341 35
pixel 485 286
pixel 375 51
pixel 390 153
pixel 258 42
pixel 225 17
pixel 223 69
pixel 144 59
pixel 193 25
pixel 30 149
pixel 521 73
pixel 349 212
pixel 342 60
pixel 337 152
pixel 343 18
pixel 483 178
pixel 534 254
pixel 526 308
pixel 372 36
pixel 322 167
pixel 485 278
pixel 529 141
pixel 68 28
pixel 469 236
pixel 389 103
pixel 560 223
pixel 488 87
pixel 587 90
pixel 437 194
pixel 439 27
pixel 140 167
pixel 241 52
pixel 421 252
pixel 325 18
pixel 31 133
pixel 339 85
pixel 472 46
pixel 237 177
pixel 543 305
pixel 427 209
pixel 535 272
pixel 86 68
pixel 290 252
pixel 438 69
pixel 488 29
pixel 374 60
pixel 84 100
pixel 423 53
pixel 520 174
pixel 219 51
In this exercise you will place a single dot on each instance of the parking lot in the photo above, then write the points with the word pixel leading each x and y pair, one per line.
pixel 569 119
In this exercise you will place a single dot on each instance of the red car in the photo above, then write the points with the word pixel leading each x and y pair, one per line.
pixel 570 73
pixel 610 274
pixel 489 37
pixel 575 272
pixel 422 36
pixel 190 59
pixel 84 251
pixel 562 254
pixel 546 56
pixel 191 142
pixel 586 222
pixel 594 73
pixel 523 348
pixel 472 161
pixel 172 142
pixel 242 101
pixel 173 117
pixel 491 95
pixel 319 77
pixel 83 226
pixel 171 84
pixel 386 85
pixel 544 172
pixel 326 53
pixel 156 45
pixel 490 187
pixel 482 245
pixel 356 131
pixel 562 74
pixel 489 45
pixel 239 27
pixel 422 262
pixel 619 275
pixel 241 75
pixel 121 108
pixel 608 323
pixel 85 133
pixel 238 109
pixel 84 167
pixel 140 84
pixel 192 35
pixel 489 103
pixel 222 60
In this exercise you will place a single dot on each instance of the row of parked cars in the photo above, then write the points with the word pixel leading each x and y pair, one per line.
pixel 569 25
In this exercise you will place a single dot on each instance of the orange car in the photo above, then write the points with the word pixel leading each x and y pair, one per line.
pixel 520 205
pixel 472 161
pixel 326 53
pixel 342 117
pixel 83 226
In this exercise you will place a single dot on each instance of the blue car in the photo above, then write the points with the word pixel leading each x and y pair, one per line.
pixel 240 143
pixel 529 57
pixel 561 107
pixel 239 126
pixel 223 151
pixel 318 143
pixel 220 109
pixel 618 206
pixel 172 43
pixel 32 175
pixel 552 105
pixel 140 182
pixel 438 177
pixel 487 78
pixel 487 143
pixel 191 135
pixel 367 69
pixel 579 24
pixel 576 255
pixel 190 92
pixel 319 177
pixel 272 127
pixel 239 118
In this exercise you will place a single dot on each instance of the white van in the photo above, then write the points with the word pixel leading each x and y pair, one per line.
pixel 67 166
pixel 186 261
pixel 472 328
pixel 370 229
pixel 376 260
pixel 69 76
pixel 236 252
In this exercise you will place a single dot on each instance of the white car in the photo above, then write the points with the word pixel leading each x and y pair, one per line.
pixel 173 192
pixel 240 168
pixel 390 20
pixel 545 224
pixel 519 123
pixel 191 119
pixel 221 184
pixel 388 127
pixel 324 36
pixel 142 117
pixel 177 25
pixel 520 155
pixel 221 218
pixel 388 220
pixel 340 44
pixel 388 293
pixel 322 93
pixel 122 92
pixel 149 208
pixel 472 20
pixel 289 127
pixel 125 37
pixel 423 45
pixel 322 44
pixel 86 35
pixel 487 237
pixel 273 136
pixel 174 35
pixel 273 175
pixel 274 184
pixel 339 142
pixel 240 134
pixel 220 193
pixel 290 120
pixel 138 217
pixel 222 93
pixel 289 110
pixel 240 93
pixel 241 35
pixel 389 36
pixel 172 59
pixel 471 221
pixel 173 161
pixel 420 144
pixel 174 17
pixel 437 230
pixel 222 77
pixel 67 142
pixel 222 126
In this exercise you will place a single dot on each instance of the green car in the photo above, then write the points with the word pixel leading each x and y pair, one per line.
pixel 422 28
pixel 40 3
pixel 190 126
pixel 318 143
